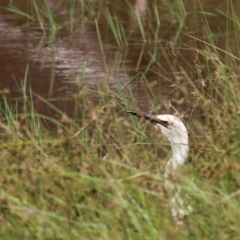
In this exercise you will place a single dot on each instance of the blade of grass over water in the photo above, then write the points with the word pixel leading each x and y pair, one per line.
pixel 117 29
pixel 101 45
pixel 19 12
pixel 215 47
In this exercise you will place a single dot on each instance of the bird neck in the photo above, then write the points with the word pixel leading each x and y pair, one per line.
pixel 179 155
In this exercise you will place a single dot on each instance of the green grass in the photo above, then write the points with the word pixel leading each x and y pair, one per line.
pixel 101 177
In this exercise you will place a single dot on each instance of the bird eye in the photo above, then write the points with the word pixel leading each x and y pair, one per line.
pixel 165 123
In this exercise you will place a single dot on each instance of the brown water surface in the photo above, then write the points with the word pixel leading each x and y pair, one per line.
pixel 78 55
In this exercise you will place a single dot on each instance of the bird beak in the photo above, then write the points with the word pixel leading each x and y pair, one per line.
pixel 152 118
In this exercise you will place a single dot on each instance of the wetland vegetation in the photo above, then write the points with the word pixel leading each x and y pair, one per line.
pixel 74 165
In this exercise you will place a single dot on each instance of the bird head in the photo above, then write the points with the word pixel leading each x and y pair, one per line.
pixel 175 131
pixel 171 127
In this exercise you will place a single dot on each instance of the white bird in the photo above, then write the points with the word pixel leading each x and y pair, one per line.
pixel 175 131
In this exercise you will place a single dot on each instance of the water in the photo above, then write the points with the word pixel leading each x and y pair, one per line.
pixel 80 53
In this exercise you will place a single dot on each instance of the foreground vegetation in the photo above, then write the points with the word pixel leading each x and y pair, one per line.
pixel 102 177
